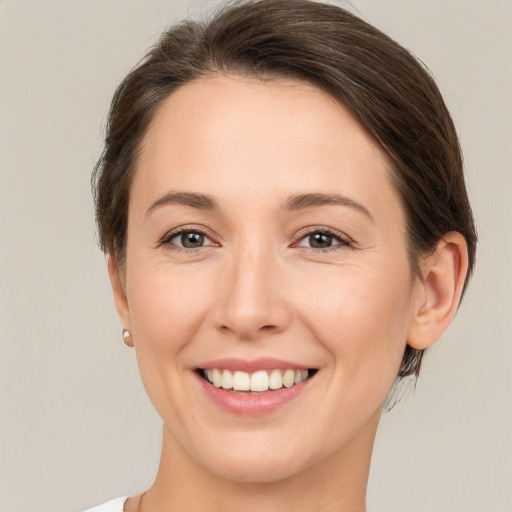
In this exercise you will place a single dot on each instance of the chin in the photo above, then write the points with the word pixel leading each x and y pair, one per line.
pixel 257 459
pixel 260 469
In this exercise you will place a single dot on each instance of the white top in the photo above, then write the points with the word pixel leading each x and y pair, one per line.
pixel 110 506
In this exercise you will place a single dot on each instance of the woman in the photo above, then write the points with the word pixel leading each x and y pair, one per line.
pixel 282 203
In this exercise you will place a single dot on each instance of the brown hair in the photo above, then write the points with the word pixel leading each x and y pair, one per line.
pixel 386 88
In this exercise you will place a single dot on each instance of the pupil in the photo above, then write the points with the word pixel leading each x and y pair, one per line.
pixel 320 241
pixel 192 240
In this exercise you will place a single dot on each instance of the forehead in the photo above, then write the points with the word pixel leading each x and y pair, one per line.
pixel 236 135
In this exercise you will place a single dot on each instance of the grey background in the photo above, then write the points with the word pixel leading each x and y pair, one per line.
pixel 75 425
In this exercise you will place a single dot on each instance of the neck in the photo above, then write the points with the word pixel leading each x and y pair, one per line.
pixel 336 483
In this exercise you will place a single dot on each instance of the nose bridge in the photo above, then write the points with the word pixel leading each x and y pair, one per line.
pixel 251 303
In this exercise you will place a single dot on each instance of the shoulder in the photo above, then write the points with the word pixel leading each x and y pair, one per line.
pixel 110 506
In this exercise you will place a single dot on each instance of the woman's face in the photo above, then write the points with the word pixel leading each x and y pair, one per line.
pixel 265 243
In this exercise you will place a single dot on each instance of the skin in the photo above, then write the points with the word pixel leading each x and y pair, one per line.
pixel 258 288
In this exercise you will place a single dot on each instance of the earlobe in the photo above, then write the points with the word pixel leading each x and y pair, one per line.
pixel 118 288
pixel 443 276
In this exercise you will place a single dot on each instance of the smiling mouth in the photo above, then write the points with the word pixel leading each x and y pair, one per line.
pixel 257 382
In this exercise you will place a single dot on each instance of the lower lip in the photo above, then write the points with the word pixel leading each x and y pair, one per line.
pixel 256 404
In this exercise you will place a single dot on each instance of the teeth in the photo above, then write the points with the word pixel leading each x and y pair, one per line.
pixel 300 376
pixel 217 378
pixel 259 381
pixel 241 381
pixel 275 380
pixel 289 378
pixel 227 380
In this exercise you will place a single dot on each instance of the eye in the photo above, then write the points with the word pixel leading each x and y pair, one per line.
pixel 322 239
pixel 187 239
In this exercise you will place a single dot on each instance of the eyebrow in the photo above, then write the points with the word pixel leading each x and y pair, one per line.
pixel 195 200
pixel 293 203
pixel 304 201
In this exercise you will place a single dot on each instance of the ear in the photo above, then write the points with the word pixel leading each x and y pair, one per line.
pixel 117 280
pixel 439 292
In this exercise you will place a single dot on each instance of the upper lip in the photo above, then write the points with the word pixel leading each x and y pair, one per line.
pixel 262 363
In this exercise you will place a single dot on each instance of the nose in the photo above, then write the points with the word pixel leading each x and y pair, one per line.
pixel 252 297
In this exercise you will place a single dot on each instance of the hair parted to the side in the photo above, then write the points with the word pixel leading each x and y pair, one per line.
pixel 386 88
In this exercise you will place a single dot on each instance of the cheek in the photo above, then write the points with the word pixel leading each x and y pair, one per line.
pixel 167 310
pixel 166 303
pixel 362 317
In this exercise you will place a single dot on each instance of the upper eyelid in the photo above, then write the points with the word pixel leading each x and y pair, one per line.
pixel 173 233
pixel 344 241
pixel 322 229
pixel 187 229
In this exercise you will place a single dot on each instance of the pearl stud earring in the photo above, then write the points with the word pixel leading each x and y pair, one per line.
pixel 127 338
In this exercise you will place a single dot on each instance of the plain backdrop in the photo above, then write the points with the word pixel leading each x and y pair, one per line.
pixel 75 425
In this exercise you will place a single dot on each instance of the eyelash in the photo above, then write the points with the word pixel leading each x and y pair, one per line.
pixel 342 241
pixel 167 238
